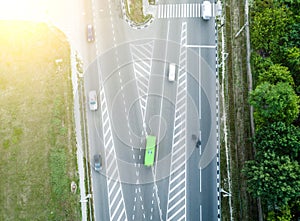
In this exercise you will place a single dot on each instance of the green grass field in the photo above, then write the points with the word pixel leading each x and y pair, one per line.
pixel 37 142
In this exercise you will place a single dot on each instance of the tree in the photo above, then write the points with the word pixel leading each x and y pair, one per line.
pixel 284 214
pixel 276 179
pixel 270 31
pixel 283 139
pixel 294 37
pixel 276 73
pixel 274 103
pixel 293 62
pixel 260 64
pixel 258 5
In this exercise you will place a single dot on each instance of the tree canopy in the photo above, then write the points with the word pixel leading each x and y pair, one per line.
pixel 273 177
pixel 275 58
pixel 293 63
pixel 276 73
pixel 274 103
pixel 283 139
pixel 270 30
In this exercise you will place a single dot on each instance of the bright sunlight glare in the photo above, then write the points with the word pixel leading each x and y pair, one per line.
pixel 34 10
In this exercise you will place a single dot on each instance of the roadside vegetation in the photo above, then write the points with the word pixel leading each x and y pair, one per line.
pixel 273 174
pixel 37 142
pixel 237 108
pixel 134 11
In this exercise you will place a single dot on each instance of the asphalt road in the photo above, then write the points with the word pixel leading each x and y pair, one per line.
pixel 135 99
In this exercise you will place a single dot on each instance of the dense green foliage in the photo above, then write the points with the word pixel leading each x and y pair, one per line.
pixel 283 214
pixel 273 177
pixel 274 103
pixel 270 31
pixel 283 139
pixel 276 73
pixel 293 63
pixel 274 173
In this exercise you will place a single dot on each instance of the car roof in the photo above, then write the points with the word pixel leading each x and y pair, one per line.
pixel 97 157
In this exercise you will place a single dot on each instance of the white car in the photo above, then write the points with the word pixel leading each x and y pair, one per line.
pixel 90 33
pixel 93 100
pixel 206 11
pixel 172 72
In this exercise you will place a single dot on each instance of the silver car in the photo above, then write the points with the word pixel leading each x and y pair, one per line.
pixel 93 100
pixel 97 162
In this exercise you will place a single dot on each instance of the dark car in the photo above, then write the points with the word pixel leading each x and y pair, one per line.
pixel 97 162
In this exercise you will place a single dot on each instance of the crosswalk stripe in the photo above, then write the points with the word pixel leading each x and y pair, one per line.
pixel 188 10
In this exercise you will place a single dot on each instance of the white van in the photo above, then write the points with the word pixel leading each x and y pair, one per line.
pixel 172 72
pixel 206 11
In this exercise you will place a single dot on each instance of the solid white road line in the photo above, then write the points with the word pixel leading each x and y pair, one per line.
pixel 200 212
pixel 200 179
pixel 201 46
pixel 200 85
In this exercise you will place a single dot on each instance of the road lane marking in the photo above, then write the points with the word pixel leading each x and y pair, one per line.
pixel 155 189
pixel 200 212
pixel 177 176
pixel 111 165
pixel 142 70
pixel 187 10
pixel 161 99
pixel 200 175
pixel 202 46
pixel 200 85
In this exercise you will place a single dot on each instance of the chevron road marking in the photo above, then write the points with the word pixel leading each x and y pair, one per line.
pixel 115 195
pixel 142 70
pixel 177 181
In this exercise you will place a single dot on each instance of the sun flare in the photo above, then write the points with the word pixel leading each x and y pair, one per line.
pixel 34 10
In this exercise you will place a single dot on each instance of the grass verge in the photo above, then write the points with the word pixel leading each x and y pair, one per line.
pixel 134 11
pixel 238 113
pixel 37 142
